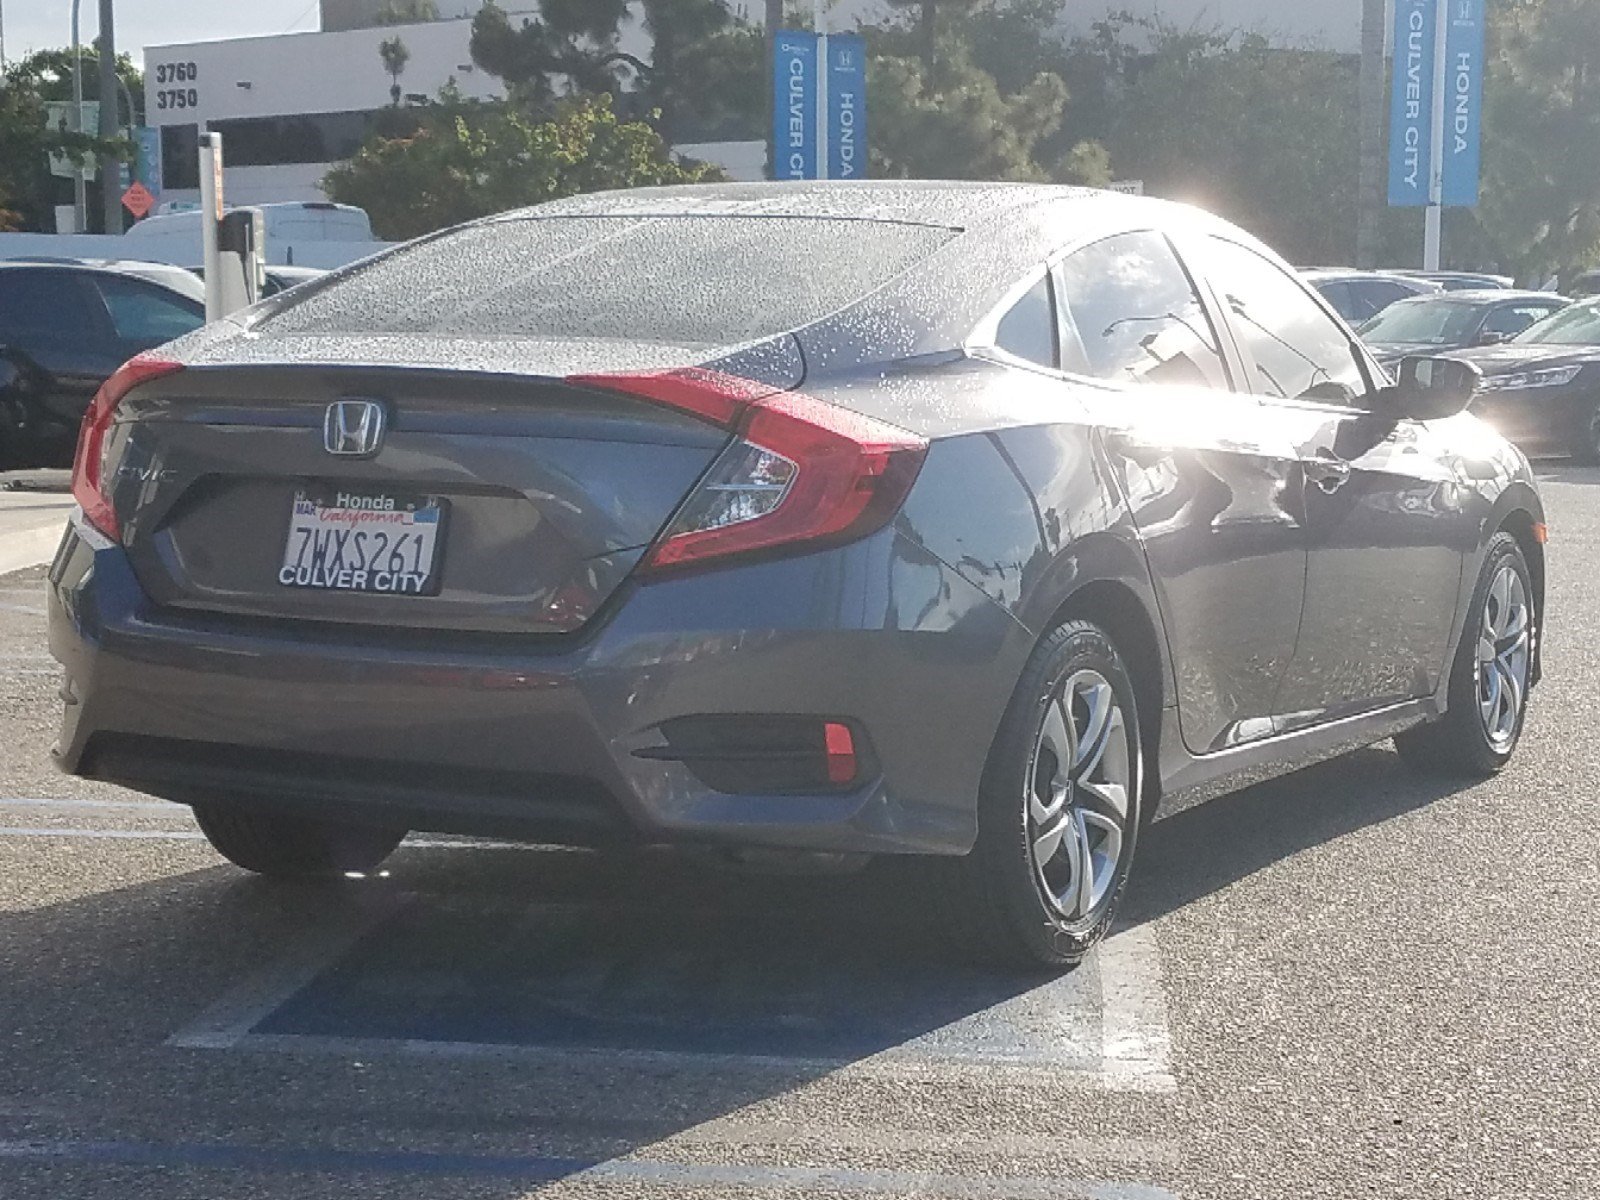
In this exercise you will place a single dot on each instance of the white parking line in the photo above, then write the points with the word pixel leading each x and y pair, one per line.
pixel 631 1173
pixel 1135 1037
pixel 31 547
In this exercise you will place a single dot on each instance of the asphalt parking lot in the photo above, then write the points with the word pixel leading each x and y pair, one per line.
pixel 1342 983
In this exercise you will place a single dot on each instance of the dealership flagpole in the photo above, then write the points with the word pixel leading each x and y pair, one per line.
pixel 1433 235
pixel 819 20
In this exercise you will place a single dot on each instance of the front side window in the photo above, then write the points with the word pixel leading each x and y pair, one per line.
pixel 1131 315
pixel 1028 330
pixel 1298 350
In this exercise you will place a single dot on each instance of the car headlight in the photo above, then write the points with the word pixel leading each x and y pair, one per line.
pixel 1522 380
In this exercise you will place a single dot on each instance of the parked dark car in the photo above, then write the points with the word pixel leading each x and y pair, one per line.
pixel 64 328
pixel 1359 296
pixel 960 520
pixel 1455 321
pixel 1542 389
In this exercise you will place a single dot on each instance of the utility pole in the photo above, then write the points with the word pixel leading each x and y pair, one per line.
pixel 80 186
pixel 774 23
pixel 1370 206
pixel 110 165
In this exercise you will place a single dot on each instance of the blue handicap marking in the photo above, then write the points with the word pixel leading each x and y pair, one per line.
pixel 713 981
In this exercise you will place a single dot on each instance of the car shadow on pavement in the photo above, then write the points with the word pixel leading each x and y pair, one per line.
pixel 657 998
pixel 1202 848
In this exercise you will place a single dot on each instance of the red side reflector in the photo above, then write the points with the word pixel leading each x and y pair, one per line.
pixel 841 747
pixel 1541 532
pixel 88 464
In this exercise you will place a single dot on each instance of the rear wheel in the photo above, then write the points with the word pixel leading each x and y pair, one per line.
pixel 1489 679
pixel 293 847
pixel 1058 815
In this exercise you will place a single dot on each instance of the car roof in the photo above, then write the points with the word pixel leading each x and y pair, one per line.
pixel 163 275
pixel 1489 296
pixel 1338 274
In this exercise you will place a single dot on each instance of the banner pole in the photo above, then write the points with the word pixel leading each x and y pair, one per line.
pixel 1433 231
pixel 819 18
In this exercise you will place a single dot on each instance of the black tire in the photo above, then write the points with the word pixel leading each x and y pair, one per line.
pixel 1000 906
pixel 293 847
pixel 1458 744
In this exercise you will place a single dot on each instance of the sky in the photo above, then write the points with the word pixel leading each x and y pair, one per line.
pixel 31 25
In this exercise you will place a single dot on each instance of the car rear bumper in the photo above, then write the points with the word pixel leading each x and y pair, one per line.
pixel 556 739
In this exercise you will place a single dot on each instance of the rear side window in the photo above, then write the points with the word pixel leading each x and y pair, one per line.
pixel 1337 293
pixel 43 305
pixel 1131 315
pixel 143 313
pixel 1028 330
pixel 709 280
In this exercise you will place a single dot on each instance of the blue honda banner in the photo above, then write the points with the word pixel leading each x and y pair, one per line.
pixel 1411 111
pixel 794 106
pixel 847 106
pixel 1463 122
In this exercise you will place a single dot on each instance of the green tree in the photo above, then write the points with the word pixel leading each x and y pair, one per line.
pixel 395 56
pixel 28 192
pixel 469 160
pixel 408 12
pixel 955 119
pixel 1540 206
pixel 704 72
pixel 1263 135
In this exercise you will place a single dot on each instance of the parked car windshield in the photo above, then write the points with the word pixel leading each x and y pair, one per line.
pixel 1575 326
pixel 678 280
pixel 1429 321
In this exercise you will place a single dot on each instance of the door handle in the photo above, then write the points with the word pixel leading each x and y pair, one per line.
pixel 1328 471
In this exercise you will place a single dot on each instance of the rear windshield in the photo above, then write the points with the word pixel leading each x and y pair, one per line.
pixel 697 280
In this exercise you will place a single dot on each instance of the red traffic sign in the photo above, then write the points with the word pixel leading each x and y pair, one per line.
pixel 138 200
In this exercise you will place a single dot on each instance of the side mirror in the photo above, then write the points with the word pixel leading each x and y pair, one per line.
pixel 1430 389
pixel 1491 337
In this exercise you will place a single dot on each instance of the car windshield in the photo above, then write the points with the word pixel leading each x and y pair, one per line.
pixel 1575 326
pixel 1429 321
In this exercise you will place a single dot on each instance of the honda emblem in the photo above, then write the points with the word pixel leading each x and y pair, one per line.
pixel 354 428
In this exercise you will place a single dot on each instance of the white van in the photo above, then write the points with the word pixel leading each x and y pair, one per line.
pixel 294 230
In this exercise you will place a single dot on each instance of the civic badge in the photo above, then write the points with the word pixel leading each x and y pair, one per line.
pixel 354 428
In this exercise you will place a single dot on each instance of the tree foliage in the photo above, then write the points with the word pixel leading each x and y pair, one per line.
pixel 28 192
pixel 958 107
pixel 1540 208
pixel 702 78
pixel 469 160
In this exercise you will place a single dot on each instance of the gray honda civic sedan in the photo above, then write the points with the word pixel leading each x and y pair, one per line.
pixel 960 520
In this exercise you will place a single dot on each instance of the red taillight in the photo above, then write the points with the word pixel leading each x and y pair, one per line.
pixel 841 747
pixel 88 464
pixel 800 474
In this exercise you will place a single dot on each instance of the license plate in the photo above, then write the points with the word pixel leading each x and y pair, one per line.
pixel 364 542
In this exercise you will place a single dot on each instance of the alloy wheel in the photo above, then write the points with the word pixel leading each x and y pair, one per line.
pixel 1504 656
pixel 1078 797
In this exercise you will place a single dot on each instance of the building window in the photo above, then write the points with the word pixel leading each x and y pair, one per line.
pixel 180 156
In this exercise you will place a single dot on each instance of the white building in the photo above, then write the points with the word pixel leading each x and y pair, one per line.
pixel 291 106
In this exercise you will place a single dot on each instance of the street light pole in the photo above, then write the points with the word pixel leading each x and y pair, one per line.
pixel 80 186
pixel 110 166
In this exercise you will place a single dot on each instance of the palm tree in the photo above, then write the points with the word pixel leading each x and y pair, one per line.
pixel 395 56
